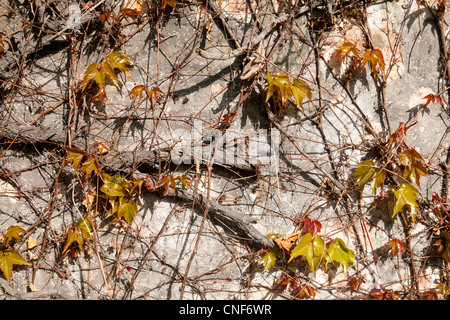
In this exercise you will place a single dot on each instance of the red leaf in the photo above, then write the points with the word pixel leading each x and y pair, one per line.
pixel 432 98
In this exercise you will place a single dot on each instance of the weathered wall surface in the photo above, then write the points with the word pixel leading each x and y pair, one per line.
pixel 172 249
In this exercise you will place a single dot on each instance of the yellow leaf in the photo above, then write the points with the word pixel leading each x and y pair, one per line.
pixel 312 248
pixel 406 195
pixel 118 60
pixel 300 90
pixel 127 209
pixel 90 165
pixel 13 233
pixel 93 72
pixel 108 71
pixel 31 243
pixel 8 259
pixel 269 259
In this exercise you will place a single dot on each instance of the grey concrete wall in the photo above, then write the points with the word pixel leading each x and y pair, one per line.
pixel 171 250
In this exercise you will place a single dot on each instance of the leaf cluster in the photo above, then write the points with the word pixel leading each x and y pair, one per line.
pixel 374 56
pixel 401 166
pixel 99 73
pixel 299 290
pixel 116 195
pixel 308 244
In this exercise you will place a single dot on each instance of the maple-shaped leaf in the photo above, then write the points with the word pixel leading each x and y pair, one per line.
pixel 74 156
pixel 137 91
pixel 8 259
pixel 311 226
pixel 355 283
pixel 397 246
pixel 269 259
pixel 127 209
pixel 300 90
pixel 338 252
pixel 127 12
pixel 345 49
pixel 413 165
pixel 137 184
pixel 312 248
pixel 172 3
pixel 375 56
pixel 107 71
pixel 12 233
pixel 368 172
pixel 186 181
pixel 284 241
pixel 89 166
pixel 154 94
pixel 432 98
pixel 99 73
pixel 289 281
pixel 406 195
pixel 165 182
pixel 118 60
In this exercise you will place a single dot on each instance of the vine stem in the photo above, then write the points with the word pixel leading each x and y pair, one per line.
pixel 368 236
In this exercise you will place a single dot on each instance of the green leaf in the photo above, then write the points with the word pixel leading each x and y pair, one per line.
pixel 406 195
pixel 312 248
pixel 8 259
pixel 338 252
pixel 127 210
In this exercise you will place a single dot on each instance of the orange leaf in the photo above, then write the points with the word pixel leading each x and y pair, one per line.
pixel 375 56
pixel 397 246
pixel 126 12
pixel 432 98
pixel 137 91
pixel 345 49
pixel 75 156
